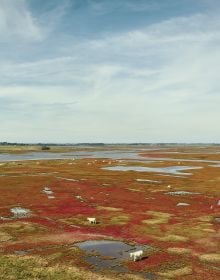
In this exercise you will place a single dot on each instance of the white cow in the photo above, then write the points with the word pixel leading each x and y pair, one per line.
pixel 137 255
pixel 92 220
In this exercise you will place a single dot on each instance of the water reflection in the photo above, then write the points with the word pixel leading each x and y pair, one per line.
pixel 120 154
pixel 108 254
pixel 176 170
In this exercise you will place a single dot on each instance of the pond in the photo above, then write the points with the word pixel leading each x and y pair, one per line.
pixel 215 165
pixel 113 154
pixel 20 212
pixel 108 254
pixel 182 193
pixel 176 170
pixel 217 219
pixel 148 181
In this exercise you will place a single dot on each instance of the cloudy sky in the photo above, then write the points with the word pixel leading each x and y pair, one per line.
pixel 109 70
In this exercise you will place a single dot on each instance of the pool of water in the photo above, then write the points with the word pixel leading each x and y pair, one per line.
pixel 108 254
pixel 20 212
pixel 182 204
pixel 148 181
pixel 176 170
pixel 215 165
pixel 182 193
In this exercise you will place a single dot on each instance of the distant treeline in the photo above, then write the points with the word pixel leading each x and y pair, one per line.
pixel 50 144
pixel 105 144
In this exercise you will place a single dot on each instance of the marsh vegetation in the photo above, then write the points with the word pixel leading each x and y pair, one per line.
pixel 174 218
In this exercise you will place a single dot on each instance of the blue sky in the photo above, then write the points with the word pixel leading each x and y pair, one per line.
pixel 109 70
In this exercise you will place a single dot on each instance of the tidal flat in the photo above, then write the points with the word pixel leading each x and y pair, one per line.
pixel 170 209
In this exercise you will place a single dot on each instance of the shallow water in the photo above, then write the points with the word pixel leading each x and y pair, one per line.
pixel 148 181
pixel 215 165
pixel 20 252
pixel 128 154
pixel 107 254
pixel 114 154
pixel 183 204
pixel 20 212
pixel 176 170
pixel 115 249
pixel 181 193
pixel 217 219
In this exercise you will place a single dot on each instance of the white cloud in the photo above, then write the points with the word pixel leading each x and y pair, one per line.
pixel 158 83
pixel 19 25
pixel 17 21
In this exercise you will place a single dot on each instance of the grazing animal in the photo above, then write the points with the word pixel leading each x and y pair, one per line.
pixel 136 255
pixel 92 220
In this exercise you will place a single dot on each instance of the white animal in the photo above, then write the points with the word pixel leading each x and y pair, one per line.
pixel 137 255
pixel 92 220
pixel 48 192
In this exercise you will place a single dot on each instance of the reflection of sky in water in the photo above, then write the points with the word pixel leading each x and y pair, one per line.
pixel 20 212
pixel 132 154
pixel 181 193
pixel 117 154
pixel 216 165
pixel 148 181
pixel 177 170
pixel 115 251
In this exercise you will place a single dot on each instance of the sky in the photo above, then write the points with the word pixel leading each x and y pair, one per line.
pixel 109 71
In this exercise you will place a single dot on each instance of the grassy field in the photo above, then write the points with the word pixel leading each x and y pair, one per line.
pixel 177 215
